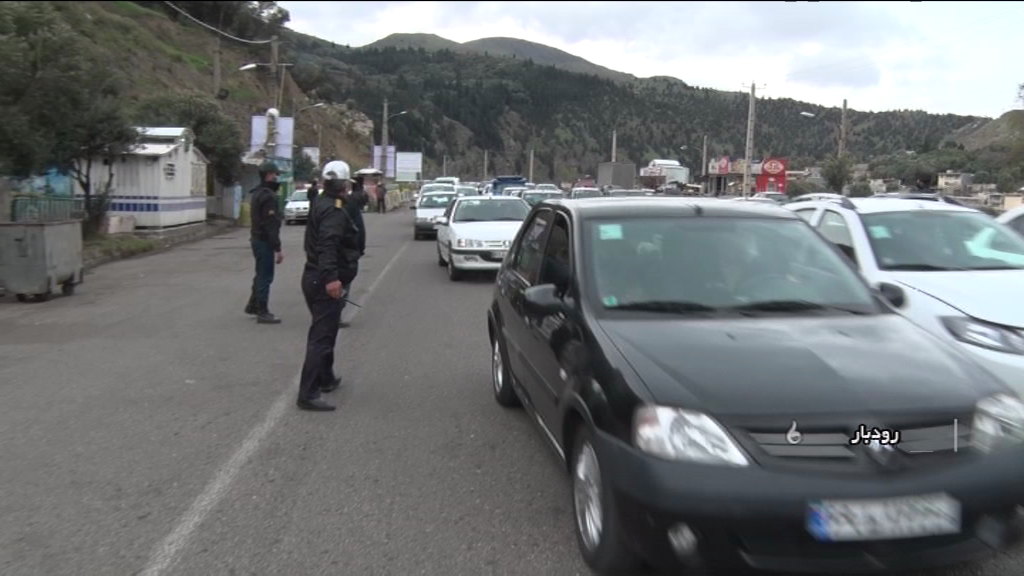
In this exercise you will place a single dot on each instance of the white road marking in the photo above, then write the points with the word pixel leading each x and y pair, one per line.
pixel 167 552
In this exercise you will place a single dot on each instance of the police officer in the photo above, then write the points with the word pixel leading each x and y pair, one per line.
pixel 265 240
pixel 357 201
pixel 332 262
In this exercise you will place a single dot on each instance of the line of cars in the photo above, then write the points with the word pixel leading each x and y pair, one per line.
pixel 704 370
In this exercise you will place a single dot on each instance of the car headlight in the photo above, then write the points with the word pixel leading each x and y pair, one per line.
pixel 998 423
pixel 985 335
pixel 677 434
pixel 289 210
pixel 464 243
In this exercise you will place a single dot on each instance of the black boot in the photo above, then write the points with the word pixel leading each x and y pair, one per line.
pixel 263 316
pixel 250 308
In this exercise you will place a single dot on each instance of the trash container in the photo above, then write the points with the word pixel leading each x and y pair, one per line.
pixel 38 257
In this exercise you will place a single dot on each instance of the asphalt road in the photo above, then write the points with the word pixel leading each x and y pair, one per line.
pixel 147 426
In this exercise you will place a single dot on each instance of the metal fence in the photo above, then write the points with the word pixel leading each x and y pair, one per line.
pixel 46 209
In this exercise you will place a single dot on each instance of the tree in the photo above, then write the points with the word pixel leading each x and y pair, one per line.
pixel 860 190
pixel 801 187
pixel 217 135
pixel 304 167
pixel 61 103
pixel 837 172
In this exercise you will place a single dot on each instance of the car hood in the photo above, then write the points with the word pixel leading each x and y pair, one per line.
pixel 429 212
pixel 990 295
pixel 486 230
pixel 790 366
pixel 297 204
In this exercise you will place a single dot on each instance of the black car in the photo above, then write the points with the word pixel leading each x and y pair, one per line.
pixel 724 388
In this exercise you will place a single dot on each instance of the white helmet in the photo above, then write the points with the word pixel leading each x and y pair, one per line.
pixel 337 170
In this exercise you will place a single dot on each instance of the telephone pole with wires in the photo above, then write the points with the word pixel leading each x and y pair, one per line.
pixel 749 152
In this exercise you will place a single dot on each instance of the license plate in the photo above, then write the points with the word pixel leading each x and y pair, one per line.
pixel 889 519
pixel 498 254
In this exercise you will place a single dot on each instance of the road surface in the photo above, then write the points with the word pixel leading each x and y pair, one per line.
pixel 148 427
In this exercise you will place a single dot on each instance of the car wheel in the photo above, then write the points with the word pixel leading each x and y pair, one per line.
pixel 454 274
pixel 501 376
pixel 598 529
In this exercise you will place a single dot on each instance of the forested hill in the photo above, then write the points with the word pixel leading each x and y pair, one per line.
pixel 461 104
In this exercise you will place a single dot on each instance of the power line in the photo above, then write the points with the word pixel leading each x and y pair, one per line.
pixel 212 29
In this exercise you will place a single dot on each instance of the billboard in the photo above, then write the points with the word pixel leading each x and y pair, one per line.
pixel 378 160
pixel 408 166
pixel 285 136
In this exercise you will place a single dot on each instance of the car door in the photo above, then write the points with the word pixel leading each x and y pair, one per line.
pixel 552 339
pixel 444 230
pixel 519 273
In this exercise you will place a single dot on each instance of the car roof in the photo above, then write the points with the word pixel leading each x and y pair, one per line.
pixel 438 193
pixel 491 198
pixel 890 204
pixel 672 206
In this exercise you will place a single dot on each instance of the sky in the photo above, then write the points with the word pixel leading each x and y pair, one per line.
pixel 943 57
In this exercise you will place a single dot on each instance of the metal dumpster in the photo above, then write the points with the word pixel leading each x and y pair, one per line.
pixel 38 257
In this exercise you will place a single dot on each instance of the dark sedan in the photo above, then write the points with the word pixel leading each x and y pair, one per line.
pixel 725 389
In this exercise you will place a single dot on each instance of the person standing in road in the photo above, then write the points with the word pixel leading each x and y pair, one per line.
pixel 357 200
pixel 312 191
pixel 332 262
pixel 382 190
pixel 265 239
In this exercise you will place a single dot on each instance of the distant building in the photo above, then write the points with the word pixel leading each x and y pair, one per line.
pixel 161 182
pixel 951 182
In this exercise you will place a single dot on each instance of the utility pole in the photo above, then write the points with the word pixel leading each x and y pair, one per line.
pixel 319 141
pixel 842 131
pixel 444 165
pixel 704 166
pixel 485 166
pixel 384 141
pixel 531 164
pixel 750 141
pixel 615 143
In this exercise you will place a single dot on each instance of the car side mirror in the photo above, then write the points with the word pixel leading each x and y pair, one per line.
pixel 543 300
pixel 442 220
pixel 893 294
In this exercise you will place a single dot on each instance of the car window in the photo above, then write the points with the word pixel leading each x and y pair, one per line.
pixel 716 262
pixel 834 228
pixel 806 213
pixel 936 240
pixel 1017 224
pixel 435 201
pixel 582 193
pixel 510 210
pixel 555 268
pixel 298 196
pixel 526 261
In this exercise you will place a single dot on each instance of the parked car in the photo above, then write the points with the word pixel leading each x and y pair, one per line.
pixel 951 269
pixel 723 386
pixel 577 193
pixel 466 190
pixel 296 209
pixel 534 197
pixel 475 231
pixel 428 207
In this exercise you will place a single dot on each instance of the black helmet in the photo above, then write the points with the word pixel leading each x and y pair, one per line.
pixel 268 167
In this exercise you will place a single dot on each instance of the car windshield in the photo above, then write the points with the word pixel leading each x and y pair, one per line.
pixel 735 265
pixel 938 240
pixel 511 210
pixel 585 193
pixel 534 198
pixel 437 188
pixel 466 190
pixel 298 196
pixel 435 200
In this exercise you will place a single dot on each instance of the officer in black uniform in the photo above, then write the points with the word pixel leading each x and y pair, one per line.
pixel 332 262
pixel 357 201
pixel 265 239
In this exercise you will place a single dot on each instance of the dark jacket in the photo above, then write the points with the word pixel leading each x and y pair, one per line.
pixel 266 220
pixel 332 240
pixel 311 193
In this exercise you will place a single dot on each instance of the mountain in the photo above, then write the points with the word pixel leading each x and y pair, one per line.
pixel 501 47
pixel 985 132
pixel 499 95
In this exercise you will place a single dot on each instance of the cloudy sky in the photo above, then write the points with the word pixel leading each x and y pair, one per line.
pixel 952 57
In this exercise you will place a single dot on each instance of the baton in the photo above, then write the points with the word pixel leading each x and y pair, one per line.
pixel 351 302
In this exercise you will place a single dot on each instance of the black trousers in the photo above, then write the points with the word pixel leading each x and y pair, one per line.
pixel 381 205
pixel 318 368
pixel 264 256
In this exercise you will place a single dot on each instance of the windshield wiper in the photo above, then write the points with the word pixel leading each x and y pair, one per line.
pixel 920 268
pixel 994 267
pixel 788 306
pixel 669 306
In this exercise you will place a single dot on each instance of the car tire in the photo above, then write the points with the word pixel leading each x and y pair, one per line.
pixel 598 528
pixel 454 274
pixel 440 258
pixel 501 376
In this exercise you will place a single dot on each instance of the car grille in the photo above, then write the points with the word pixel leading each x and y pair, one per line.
pixel 497 244
pixel 918 445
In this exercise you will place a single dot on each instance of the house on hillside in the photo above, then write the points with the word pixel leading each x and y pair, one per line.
pixel 951 182
pixel 161 183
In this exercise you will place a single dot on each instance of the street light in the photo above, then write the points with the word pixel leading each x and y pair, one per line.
pixel 808 114
pixel 280 90
pixel 384 136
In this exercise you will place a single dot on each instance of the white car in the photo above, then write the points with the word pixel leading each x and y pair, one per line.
pixel 428 206
pixel 297 207
pixel 1014 219
pixel 451 180
pixel 576 193
pixel 953 270
pixel 475 232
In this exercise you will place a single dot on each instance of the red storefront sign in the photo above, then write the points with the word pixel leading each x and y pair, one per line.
pixel 773 175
